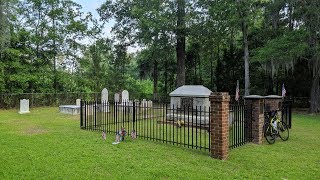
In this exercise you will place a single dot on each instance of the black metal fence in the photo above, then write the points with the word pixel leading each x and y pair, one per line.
pixel 181 126
pixel 12 100
pixel 286 115
pixel 240 125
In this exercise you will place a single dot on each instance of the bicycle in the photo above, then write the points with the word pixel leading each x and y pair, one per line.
pixel 274 128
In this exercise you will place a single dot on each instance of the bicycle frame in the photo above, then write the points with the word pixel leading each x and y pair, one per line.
pixel 271 120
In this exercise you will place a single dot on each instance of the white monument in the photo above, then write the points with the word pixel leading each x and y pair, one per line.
pixel 149 104
pixel 78 102
pixel 104 100
pixel 144 103
pixel 71 109
pixel 125 96
pixel 104 95
pixel 190 98
pixel 24 106
pixel 194 96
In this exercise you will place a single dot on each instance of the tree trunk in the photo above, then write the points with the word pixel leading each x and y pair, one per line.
pixel 315 95
pixel 166 78
pixel 155 80
pixel 199 71
pixel 211 70
pixel 181 43
pixel 246 58
pixel 4 26
pixel 55 83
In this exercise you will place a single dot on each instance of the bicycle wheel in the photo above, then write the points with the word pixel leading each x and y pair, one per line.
pixel 283 131
pixel 268 134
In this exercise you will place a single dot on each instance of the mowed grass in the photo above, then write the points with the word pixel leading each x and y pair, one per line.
pixel 47 145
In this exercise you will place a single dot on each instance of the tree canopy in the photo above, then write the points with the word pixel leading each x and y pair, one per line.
pixel 262 43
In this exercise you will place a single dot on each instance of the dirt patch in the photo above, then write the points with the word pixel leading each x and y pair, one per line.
pixel 18 121
pixel 34 131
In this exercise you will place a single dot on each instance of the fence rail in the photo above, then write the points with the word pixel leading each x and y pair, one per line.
pixel 187 126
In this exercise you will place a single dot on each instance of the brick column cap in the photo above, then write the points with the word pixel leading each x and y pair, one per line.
pixel 253 97
pixel 273 97
pixel 220 96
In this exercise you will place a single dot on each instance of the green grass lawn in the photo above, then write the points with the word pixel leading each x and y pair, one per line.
pixel 45 144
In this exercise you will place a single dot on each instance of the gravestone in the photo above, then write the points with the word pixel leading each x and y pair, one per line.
pixel 104 95
pixel 116 97
pixel 149 104
pixel 125 96
pixel 24 106
pixel 144 103
pixel 104 100
pixel 78 102
pixel 70 109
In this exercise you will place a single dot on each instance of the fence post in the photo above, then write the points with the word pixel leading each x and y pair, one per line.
pixel 81 114
pixel 134 114
pixel 219 125
pixel 256 115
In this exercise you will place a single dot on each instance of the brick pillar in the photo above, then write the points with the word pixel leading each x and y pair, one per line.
pixel 273 102
pixel 219 125
pixel 256 115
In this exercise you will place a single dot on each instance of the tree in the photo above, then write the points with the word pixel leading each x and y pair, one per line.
pixel 298 41
pixel 309 13
pixel 8 22
pixel 146 22
pixel 181 42
pixel 94 68
pixel 56 26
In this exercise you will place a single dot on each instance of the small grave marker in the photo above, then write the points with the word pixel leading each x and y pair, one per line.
pixel 104 100
pixel 125 96
pixel 78 102
pixel 24 106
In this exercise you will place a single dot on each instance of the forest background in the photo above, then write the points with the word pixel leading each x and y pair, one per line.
pixel 262 43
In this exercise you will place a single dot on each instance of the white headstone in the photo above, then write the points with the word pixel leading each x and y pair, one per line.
pixel 116 97
pixel 104 100
pixel 24 106
pixel 78 102
pixel 104 95
pixel 144 103
pixel 149 104
pixel 125 96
